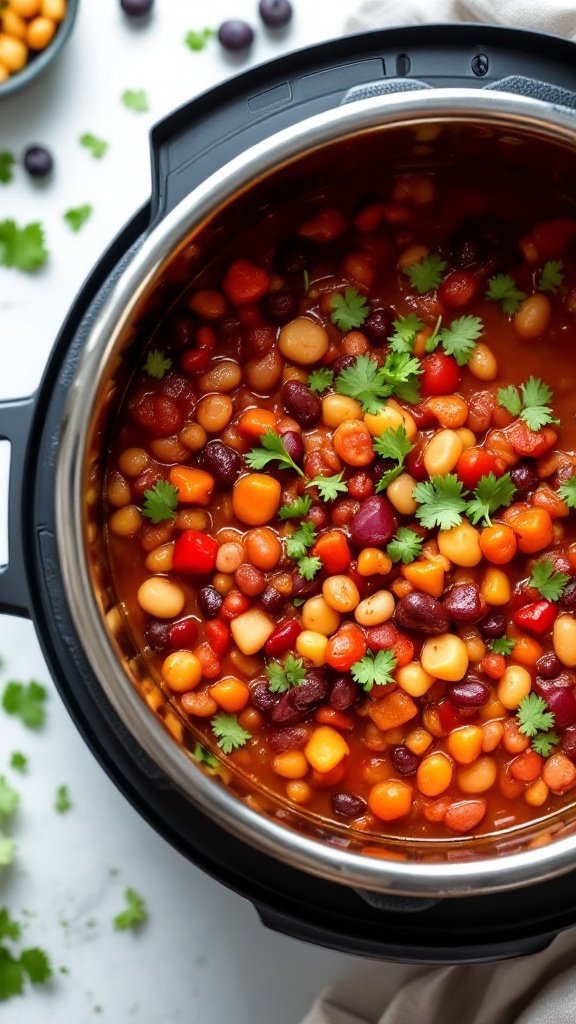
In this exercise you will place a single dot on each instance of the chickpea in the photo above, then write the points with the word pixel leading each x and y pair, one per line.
pixel 303 341
pixel 377 608
pixel 291 764
pixel 312 646
pixel 336 409
pixel 230 556
pixel 224 376
pixel 214 413
pixel 478 776
pixel 514 685
pixel 55 9
pixel 461 544
pixel 414 680
pixel 208 303
pixel 533 317
pixel 564 640
pixel 399 494
pixel 340 593
pixel 262 375
pixel 408 420
pixel 467 437
pixel 26 8
pixel 444 657
pixel 434 774
pixel 223 583
pixel 118 491
pixel 133 461
pixel 169 449
pixel 442 452
pixel 475 646
pixel 388 418
pixel 192 519
pixel 182 671
pixel 13 24
pixel 160 558
pixel 126 521
pixel 412 254
pixel 298 792
pixel 495 587
pixel 318 616
pixel 193 436
pixel 161 597
pixel 482 363
pixel 13 52
pixel 263 548
pixel 40 32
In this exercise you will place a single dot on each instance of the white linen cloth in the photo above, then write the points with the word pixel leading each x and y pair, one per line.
pixel 538 989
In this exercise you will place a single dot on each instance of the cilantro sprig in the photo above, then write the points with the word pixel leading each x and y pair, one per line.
pixel 303 538
pixel 490 494
pixel 62 802
pixel 7 162
pixel 531 403
pixel 320 380
pixel 329 487
pixel 272 449
pixel 296 509
pixel 549 583
pixel 567 491
pixel 134 913
pixel 405 330
pixel 309 566
pixel 545 742
pixel 18 967
pixel 26 701
pixel 426 275
pixel 18 761
pixel 228 732
pixel 371 384
pixel 441 502
pixel 160 502
pixel 136 100
pixel 458 339
pixel 197 41
pixel 551 276
pixel 349 310
pixel 392 444
pixel 95 146
pixel 374 669
pixel 157 364
pixel 405 546
pixel 536 721
pixel 22 248
pixel 502 645
pixel 503 289
pixel 77 216
pixel 283 676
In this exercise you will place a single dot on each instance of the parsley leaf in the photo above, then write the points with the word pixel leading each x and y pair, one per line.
pixel 374 669
pixel 157 364
pixel 405 330
pixel 160 502
pixel 458 339
pixel 502 645
pixel 282 677
pixel 134 914
pixel 309 566
pixel 36 964
pixel 544 743
pixel 303 538
pixel 196 41
pixel 203 756
pixel 229 733
pixel 549 583
pixel 77 216
pixel 503 289
pixel 552 276
pixel 531 403
pixel 9 929
pixel 490 494
pixel 62 802
pixel 329 487
pixel 22 248
pixel 392 444
pixel 6 164
pixel 272 450
pixel 441 502
pixel 405 546
pixel 349 310
pixel 298 507
pixel 27 702
pixel 97 147
pixel 7 850
pixel 9 799
pixel 533 715
pixel 567 491
pixel 18 762
pixel 427 274
pixel 135 99
pixel 320 380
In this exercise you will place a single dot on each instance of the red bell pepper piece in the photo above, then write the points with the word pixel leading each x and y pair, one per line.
pixel 536 617
pixel 218 636
pixel 283 638
pixel 195 552
pixel 448 716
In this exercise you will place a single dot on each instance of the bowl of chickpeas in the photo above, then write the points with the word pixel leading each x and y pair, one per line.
pixel 32 34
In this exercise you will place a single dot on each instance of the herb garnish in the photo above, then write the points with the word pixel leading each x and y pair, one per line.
pixel 374 669
pixel 405 330
pixel 371 384
pixel 303 538
pixel 77 216
pixel 309 566
pixel 426 275
pixel 229 733
pixel 349 310
pixel 441 502
pixel 405 546
pixel 18 762
pixel 157 364
pixel 22 248
pixel 392 444
pixel 7 162
pixel 134 914
pixel 32 964
pixel 490 494
pixel 320 380
pixel 567 491
pixel 547 582
pixel 297 508
pixel 196 41
pixel 203 756
pixel 62 802
pixel 502 645
pixel 160 502
pixel 530 403
pixel 9 799
pixel 551 276
pixel 25 701
pixel 536 721
pixel 282 677
pixel 272 450
pixel 458 339
pixel 503 289
pixel 97 147
pixel 329 487
pixel 135 99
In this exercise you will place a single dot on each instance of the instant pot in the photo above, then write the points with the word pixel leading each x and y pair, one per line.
pixel 385 101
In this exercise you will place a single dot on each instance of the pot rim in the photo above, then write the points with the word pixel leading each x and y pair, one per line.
pixel 284 844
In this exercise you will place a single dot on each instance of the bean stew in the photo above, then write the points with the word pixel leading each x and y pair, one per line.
pixel 339 507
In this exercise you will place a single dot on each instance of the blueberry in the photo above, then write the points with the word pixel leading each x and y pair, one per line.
pixel 38 161
pixel 136 8
pixel 235 35
pixel 275 13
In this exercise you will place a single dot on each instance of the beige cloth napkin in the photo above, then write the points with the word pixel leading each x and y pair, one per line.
pixel 539 989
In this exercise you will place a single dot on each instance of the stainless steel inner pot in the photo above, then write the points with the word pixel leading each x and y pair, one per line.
pixel 367 140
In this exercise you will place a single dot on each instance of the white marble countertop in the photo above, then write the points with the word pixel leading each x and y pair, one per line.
pixel 203 955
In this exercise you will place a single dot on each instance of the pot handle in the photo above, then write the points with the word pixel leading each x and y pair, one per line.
pixel 15 421
pixel 535 89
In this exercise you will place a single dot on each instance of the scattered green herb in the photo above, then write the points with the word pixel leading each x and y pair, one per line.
pixel 282 677
pixel 405 546
pixel 503 289
pixel 272 450
pixel 374 669
pixel 490 494
pixel 22 248
pixel 157 364
pixel 9 799
pixel 329 487
pixel 303 538
pixel 136 99
pixel 15 969
pixel 502 645
pixel 567 491
pixel 196 41
pixel 77 216
pixel 228 732
pixel 405 330
pixel 320 380
pixel 349 310
pixel 95 146
pixel 62 802
pixel 297 508
pixel 426 275
pixel 7 162
pixel 547 582
pixel 134 913
pixel 441 502
pixel 392 444
pixel 25 701
pixel 160 502
pixel 531 403
pixel 533 715
pixel 203 756
pixel 552 276
pixel 7 850
pixel 19 762
pixel 458 339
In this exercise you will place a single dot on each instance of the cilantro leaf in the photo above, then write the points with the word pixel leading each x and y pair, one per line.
pixel 502 645
pixel 533 715
pixel 400 371
pixel 157 364
pixel 329 487
pixel 6 164
pixel 297 508
pixel 393 444
pixel 458 339
pixel 490 494
pixel 374 669
pixel 405 330
pixel 349 310
pixel 77 216
pixel 363 381
pixel 405 546
pixel 37 965
pixel 9 929
pixel 567 491
pixel 32 963
pixel 11 975
pixel 9 799
pixel 282 677
pixel 203 756
pixel 196 41
pixel 96 147
pixel 134 914
pixel 509 399
pixel 272 450
pixel 531 403
pixel 135 99
pixel 320 380
pixel 228 732
pixel 441 502
pixel 303 538
pixel 544 743
pixel 18 761
pixel 503 289
pixel 551 276
pixel 27 702
pixel 426 275
pixel 7 850
pixel 160 502
pixel 22 248
pixel 309 566
pixel 62 802
pixel 547 582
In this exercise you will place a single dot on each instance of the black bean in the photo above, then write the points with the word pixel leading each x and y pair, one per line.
pixel 568 599
pixel 272 600
pixel 524 479
pixel 275 13
pixel 464 602
pixel 422 612
pixel 348 805
pixel 493 626
pixel 158 636
pixel 404 761
pixel 312 691
pixel 301 404
pixel 209 601
pixel 136 8
pixel 378 326
pixel 38 161
pixel 344 693
pixel 235 34
pixel 222 462
pixel 294 255
pixel 279 307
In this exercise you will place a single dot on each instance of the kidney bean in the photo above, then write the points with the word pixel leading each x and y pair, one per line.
pixel 415 463
pixel 493 626
pixel 158 415
pixel 283 638
pixel 481 405
pixel 374 523
pixel 424 417
pixel 209 601
pixel 549 665
pixel 222 462
pixel 262 697
pixel 182 633
pixel 343 512
pixel 272 600
pixel 404 761
pixel 344 693
pixel 565 680
pixel 293 444
pixel 465 815
pixel 423 613
pixel 280 306
pixel 259 340
pixel 158 636
pixel 147 479
pixel 378 326
pixel 568 742
pixel 294 255
pixel 180 330
pixel 568 599
pixel 348 805
pixel 464 602
pixel 285 711
pixel 342 363
pixel 293 737
pixel 319 516
pixel 470 692
pixel 360 486
pixel 561 702
pixel 302 587
pixel 312 691
pixel 524 479
pixel 249 580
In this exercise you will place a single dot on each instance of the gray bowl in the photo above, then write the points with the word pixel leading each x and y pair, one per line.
pixel 38 62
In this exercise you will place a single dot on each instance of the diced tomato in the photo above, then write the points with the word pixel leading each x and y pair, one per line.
pixel 449 715
pixel 529 442
pixel 245 282
pixel 473 464
pixel 218 636
pixel 333 549
pixel 195 552
pixel 536 617
pixel 211 667
pixel 458 289
pixel 440 374
pixel 346 646
pixel 387 637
